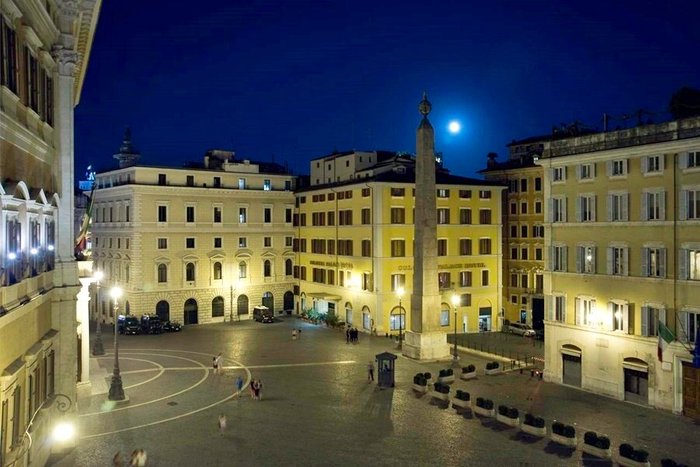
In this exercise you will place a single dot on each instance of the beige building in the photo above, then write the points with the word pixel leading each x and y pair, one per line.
pixel 355 245
pixel 622 226
pixel 200 244
pixel 523 230
pixel 44 50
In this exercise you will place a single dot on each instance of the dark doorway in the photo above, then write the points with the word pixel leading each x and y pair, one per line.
pixel 571 370
pixel 190 312
pixel 288 301
pixel 242 305
pixel 537 313
pixel 636 386
pixel 163 310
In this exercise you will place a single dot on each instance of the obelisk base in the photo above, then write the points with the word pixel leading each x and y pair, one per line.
pixel 426 346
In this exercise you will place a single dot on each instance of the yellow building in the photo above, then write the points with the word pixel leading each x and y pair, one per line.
pixel 523 231
pixel 199 244
pixel 44 50
pixel 622 226
pixel 355 246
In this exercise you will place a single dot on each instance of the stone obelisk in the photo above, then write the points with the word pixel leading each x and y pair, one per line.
pixel 426 340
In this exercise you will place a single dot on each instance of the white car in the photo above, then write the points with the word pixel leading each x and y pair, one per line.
pixel 521 329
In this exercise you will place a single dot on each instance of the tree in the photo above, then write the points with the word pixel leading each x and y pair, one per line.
pixel 685 103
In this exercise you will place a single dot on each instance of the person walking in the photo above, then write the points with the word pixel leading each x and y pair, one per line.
pixel 294 334
pixel 141 458
pixel 347 335
pixel 239 386
pixel 214 365
pixel 370 372
pixel 260 387
pixel 253 395
pixel 117 460
pixel 222 424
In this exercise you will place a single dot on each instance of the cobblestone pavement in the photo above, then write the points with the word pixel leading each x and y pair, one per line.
pixel 317 408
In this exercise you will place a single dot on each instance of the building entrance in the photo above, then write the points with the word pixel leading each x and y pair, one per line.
pixel 636 386
pixel 571 370
pixel 691 391
pixel 485 319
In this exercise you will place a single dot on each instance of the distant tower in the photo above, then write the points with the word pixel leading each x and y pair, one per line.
pixel 127 155
pixel 425 340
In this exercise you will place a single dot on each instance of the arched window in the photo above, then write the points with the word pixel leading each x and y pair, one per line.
pixel 162 273
pixel 242 270
pixel 126 272
pixel 267 268
pixel 189 272
pixel 288 267
pixel 217 307
pixel 217 271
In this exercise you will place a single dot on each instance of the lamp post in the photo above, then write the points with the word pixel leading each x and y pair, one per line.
pixel 399 292
pixel 116 390
pixel 233 288
pixel 97 346
pixel 455 355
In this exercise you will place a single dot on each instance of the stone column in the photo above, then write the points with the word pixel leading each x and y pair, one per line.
pixel 83 317
pixel 425 340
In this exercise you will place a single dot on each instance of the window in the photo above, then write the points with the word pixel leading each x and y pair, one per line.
pixel 465 216
pixel 524 279
pixel 690 203
pixel 443 216
pixel 654 206
pixel 523 253
pixel 538 184
pixel 559 258
pixel 242 242
pixel 585 259
pixel 398 248
pixel 465 246
pixel 217 182
pixel 653 164
pixel 688 323
pixel 162 243
pixel 190 213
pixel 514 280
pixel 465 279
pixel 485 277
pixel 217 271
pixel 689 264
pixel 559 174
pixel 538 254
pixel 484 246
pixel 617 207
pixel 331 218
pixel 367 248
pixel 617 261
pixel 513 208
pixel 523 231
pixel 162 213
pixel 241 183
pixel 617 168
pixel 267 268
pixel 267 185
pixel 514 253
pixel 653 262
pixel 190 180
pixel 189 242
pixel 162 179
pixel 365 193
pixel 267 215
pixel 484 194
pixel 217 242
pixel 288 241
pixel 442 247
pixel 288 215
pixel 560 308
pixel 398 216
pixel 465 194
pixel 585 312
pixel 465 299
pixel 538 231
pixel 485 216
pixel 189 272
pixel 651 316
pixel 8 57
pixel 692 159
pixel 267 242
pixel 619 316
pixel 366 216
pixel 523 207
pixel 443 193
pixel 523 185
pixel 288 267
pixel 217 214
pixel 162 273
pixel 585 211
pixel 586 171
pixel 444 281
pixel 514 231
pixel 444 317
pixel 559 209
pixel 243 270
pixel 127 212
pixel 398 281
pixel 242 215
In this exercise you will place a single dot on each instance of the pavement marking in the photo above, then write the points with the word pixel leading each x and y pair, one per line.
pixel 288 365
pixel 159 369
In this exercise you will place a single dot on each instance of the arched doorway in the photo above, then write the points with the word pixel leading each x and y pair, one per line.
pixel 217 307
pixel 242 305
pixel 190 311
pixel 348 313
pixel 288 300
pixel 269 301
pixel 163 310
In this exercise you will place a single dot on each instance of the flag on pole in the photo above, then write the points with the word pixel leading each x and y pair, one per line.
pixel 665 338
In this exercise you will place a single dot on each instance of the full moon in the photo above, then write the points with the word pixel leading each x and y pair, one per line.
pixel 454 127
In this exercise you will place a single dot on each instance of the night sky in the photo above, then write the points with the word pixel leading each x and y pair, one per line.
pixel 294 80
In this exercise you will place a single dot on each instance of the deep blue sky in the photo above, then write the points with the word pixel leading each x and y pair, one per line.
pixel 295 80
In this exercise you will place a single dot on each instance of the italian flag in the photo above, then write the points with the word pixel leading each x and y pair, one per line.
pixel 665 338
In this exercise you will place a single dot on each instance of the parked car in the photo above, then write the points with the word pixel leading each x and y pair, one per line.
pixel 128 325
pixel 521 329
pixel 172 326
pixel 151 324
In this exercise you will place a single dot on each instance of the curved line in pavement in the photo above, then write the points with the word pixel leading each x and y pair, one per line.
pixel 158 366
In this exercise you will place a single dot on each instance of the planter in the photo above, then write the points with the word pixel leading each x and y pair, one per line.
pixel 484 412
pixel 495 371
pixel 512 422
pixel 446 379
pixel 468 376
pixel 533 430
pixel 563 440
pixel 627 462
pixel 419 388
pixel 461 404
pixel 439 395
pixel 594 451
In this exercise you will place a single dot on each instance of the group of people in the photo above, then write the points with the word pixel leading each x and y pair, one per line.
pixel 351 335
pixel 256 389
pixel 138 458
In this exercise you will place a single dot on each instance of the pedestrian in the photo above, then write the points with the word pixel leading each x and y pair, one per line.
pixel 222 424
pixel 239 386
pixel 370 372
pixel 142 458
pixel 214 365
pixel 252 389
pixel 347 335
pixel 219 363
pixel 260 386
pixel 299 333
pixel 117 460
pixel 294 334
pixel 134 458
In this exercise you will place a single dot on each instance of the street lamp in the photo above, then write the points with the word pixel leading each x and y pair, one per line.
pixel 97 346
pixel 116 391
pixel 455 356
pixel 399 292
pixel 233 289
